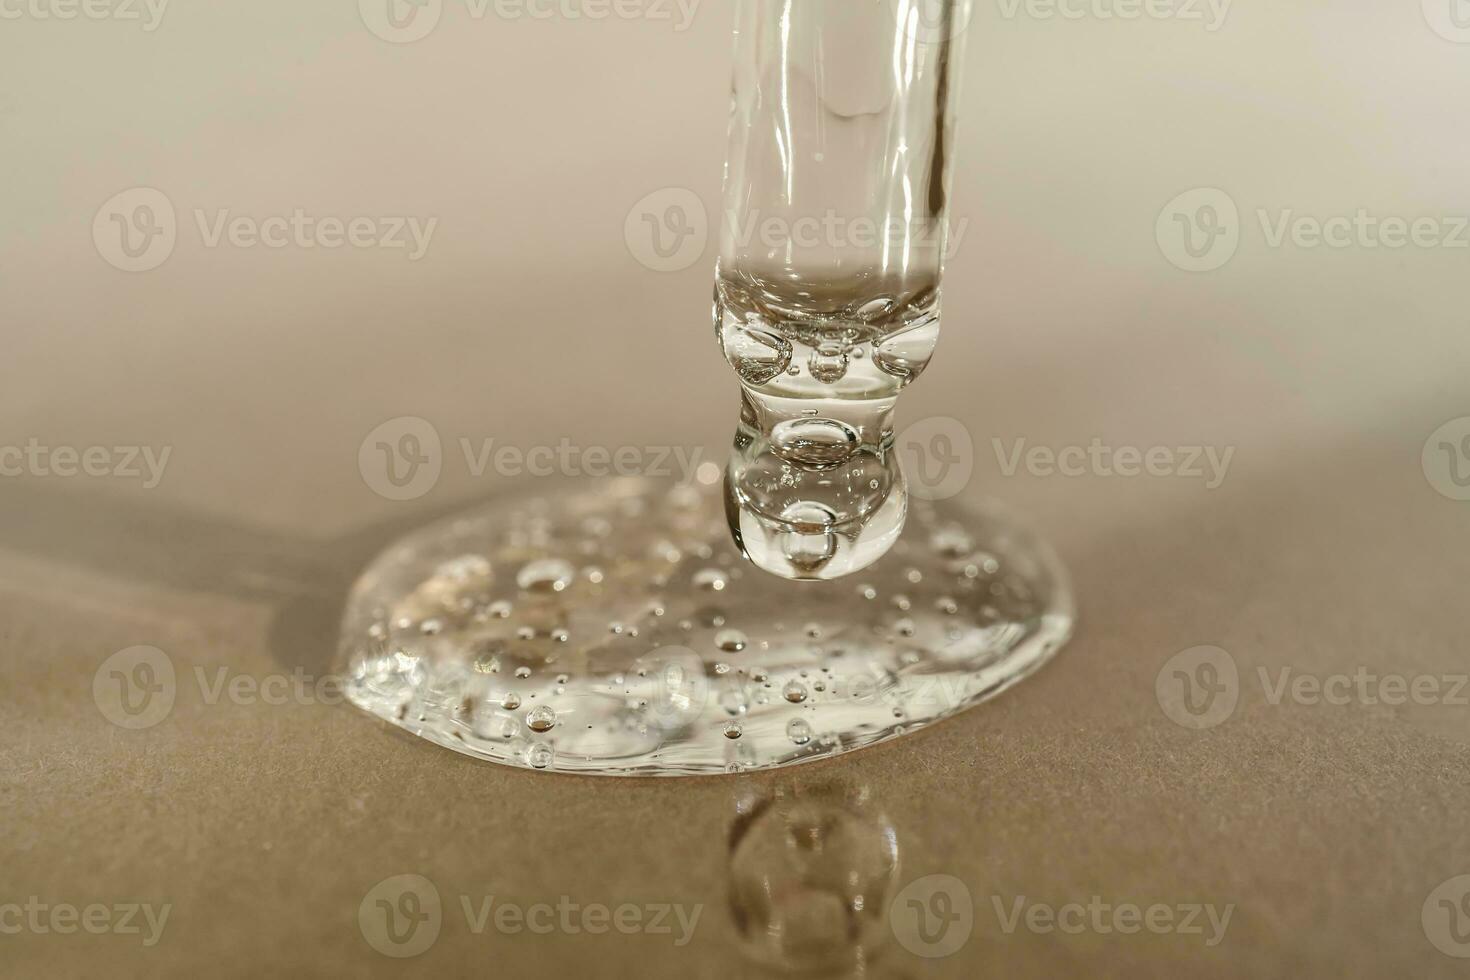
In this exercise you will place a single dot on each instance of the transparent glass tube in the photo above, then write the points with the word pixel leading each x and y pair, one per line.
pixel 831 254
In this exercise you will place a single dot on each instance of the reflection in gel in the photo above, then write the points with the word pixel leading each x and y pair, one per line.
pixel 811 874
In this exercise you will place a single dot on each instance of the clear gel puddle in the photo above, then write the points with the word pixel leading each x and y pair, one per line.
pixel 613 629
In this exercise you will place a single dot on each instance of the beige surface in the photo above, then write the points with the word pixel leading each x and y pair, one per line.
pixel 1325 549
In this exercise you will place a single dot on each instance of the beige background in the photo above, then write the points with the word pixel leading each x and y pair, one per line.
pixel 1325 550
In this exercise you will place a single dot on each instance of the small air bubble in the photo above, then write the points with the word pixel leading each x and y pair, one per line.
pixel 545 575
pixel 711 579
pixel 730 641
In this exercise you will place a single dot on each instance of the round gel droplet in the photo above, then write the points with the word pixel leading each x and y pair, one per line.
pixel 710 579
pixel 545 575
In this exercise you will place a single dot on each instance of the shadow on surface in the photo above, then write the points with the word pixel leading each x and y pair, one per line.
pixel 179 548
